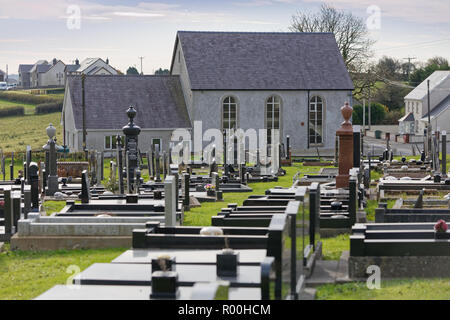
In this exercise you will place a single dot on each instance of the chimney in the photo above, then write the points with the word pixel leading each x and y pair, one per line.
pixel 77 62
pixel 55 61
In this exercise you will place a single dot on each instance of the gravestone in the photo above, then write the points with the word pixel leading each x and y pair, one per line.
pixel 150 164
pixel 120 163
pixel 288 147
pixel 170 201
pixel 357 146
pixel 419 202
pixel 26 201
pixel 3 167
pixel 444 153
pixel 28 161
pixel 85 195
pixel 185 190
pixel 52 183
pixel 164 159
pixel 11 167
pixel 345 134
pixel 16 208
pixel 157 164
pixel 7 209
pixel 215 181
pixel 131 132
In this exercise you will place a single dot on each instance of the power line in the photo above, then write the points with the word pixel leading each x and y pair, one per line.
pixel 414 45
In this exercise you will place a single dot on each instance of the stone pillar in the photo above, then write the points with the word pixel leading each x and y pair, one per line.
pixel 169 201
pixel 444 153
pixel 131 132
pixel 345 134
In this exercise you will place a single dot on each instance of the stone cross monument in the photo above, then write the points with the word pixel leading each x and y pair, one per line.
pixel 52 182
pixel 345 134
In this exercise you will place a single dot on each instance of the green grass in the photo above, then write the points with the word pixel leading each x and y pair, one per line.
pixel 332 247
pixel 53 206
pixel 29 108
pixel 202 216
pixel 27 274
pixel 408 289
pixel 19 131
pixel 372 205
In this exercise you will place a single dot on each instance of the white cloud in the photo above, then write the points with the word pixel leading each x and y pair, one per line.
pixel 137 14
pixel 430 11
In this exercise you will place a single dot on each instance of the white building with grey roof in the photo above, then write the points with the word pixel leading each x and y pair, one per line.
pixel 416 105
pixel 294 82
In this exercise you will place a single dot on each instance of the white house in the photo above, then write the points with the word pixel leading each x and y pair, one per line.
pixel 294 82
pixel 55 76
pixel 92 66
pixel 416 105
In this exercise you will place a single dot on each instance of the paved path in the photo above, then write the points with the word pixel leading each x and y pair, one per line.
pixel 326 272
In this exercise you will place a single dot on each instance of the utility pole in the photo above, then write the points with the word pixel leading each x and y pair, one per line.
pixel 409 64
pixel 83 104
pixel 429 120
pixel 141 64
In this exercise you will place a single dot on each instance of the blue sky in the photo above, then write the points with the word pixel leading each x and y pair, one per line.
pixel 124 30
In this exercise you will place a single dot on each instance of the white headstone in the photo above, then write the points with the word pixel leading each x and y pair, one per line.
pixel 170 201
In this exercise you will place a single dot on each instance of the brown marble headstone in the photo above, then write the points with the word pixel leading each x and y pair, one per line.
pixel 345 134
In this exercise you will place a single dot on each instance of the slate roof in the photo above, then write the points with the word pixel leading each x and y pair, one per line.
pixel 263 61
pixel 442 106
pixel 72 67
pixel 24 68
pixel 408 117
pixel 158 100
pixel 436 78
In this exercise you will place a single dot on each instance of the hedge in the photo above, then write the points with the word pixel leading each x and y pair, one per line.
pixel 12 111
pixel 27 98
pixel 48 108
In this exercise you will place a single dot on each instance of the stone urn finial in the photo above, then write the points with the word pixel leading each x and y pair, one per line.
pixel 346 111
pixel 51 131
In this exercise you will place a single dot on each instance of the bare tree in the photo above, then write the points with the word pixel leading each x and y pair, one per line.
pixel 351 33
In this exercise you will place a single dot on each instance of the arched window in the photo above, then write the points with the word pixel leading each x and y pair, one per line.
pixel 315 120
pixel 229 113
pixel 273 106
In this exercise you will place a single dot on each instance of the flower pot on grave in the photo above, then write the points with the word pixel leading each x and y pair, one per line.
pixel 199 188
pixel 169 264
pixel 441 235
pixel 227 263
pixel 211 193
pixel 164 285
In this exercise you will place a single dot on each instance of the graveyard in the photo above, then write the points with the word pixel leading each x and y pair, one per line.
pixel 217 159
pixel 149 228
